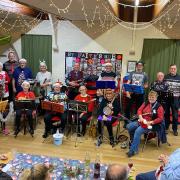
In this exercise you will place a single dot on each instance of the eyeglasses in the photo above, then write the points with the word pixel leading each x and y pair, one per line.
pixel 82 89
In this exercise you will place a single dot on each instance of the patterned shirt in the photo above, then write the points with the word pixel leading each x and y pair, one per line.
pixel 138 78
pixel 174 84
pixel 21 75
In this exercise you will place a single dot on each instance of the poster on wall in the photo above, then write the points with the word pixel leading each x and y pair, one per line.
pixel 93 63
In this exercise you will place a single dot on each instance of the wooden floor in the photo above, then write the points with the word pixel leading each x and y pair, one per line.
pixel 144 161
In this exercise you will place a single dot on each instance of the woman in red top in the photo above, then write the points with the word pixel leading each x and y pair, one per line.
pixel 83 116
pixel 149 115
pixel 24 95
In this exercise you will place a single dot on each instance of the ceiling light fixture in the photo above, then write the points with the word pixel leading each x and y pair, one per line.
pixel 136 2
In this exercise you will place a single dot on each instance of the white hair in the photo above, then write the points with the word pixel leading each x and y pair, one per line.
pixel 23 60
pixel 25 83
pixel 43 63
pixel 57 84
pixel 108 64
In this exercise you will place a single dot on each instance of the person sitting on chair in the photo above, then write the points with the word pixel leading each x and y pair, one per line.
pixel 109 102
pixel 59 97
pixel 83 116
pixel 149 115
pixel 25 95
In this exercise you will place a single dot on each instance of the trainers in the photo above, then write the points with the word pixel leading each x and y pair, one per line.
pixel 5 131
pixel 130 153
pixel 175 133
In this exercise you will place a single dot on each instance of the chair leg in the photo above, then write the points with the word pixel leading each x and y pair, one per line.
pixel 157 141
pixel 145 142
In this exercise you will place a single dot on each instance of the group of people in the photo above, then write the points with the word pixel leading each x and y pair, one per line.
pixel 164 94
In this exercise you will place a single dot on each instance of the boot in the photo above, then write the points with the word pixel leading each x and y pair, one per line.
pixel 45 135
pixel 112 141
pixel 99 141
pixel 16 132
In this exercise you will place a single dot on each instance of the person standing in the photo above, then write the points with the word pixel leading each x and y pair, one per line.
pixel 20 74
pixel 74 79
pixel 108 74
pixel 9 66
pixel 173 79
pixel 44 78
pixel 139 78
pixel 161 87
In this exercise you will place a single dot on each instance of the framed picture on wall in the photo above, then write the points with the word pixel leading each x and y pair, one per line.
pixel 131 66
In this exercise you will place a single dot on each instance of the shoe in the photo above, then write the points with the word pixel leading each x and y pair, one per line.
pixel 79 135
pixel 175 133
pixel 5 131
pixel 31 131
pixel 45 135
pixel 99 141
pixel 130 153
pixel 16 132
pixel 112 142
pixel 83 133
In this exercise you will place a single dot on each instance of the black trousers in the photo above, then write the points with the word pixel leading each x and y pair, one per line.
pixel 83 121
pixel 108 124
pixel 173 104
pixel 28 114
pixel 138 99
pixel 11 93
pixel 48 120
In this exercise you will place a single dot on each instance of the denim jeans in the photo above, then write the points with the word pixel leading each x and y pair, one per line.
pixel 135 132
pixel 146 176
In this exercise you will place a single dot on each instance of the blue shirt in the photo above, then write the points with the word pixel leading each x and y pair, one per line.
pixel 172 168
pixel 20 75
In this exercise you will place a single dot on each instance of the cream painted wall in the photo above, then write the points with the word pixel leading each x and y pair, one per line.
pixel 70 38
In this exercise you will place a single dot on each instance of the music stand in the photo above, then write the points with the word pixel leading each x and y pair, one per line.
pixel 134 88
pixel 105 85
pixel 24 105
pixel 77 107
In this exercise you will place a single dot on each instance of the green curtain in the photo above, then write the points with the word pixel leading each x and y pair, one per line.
pixel 177 57
pixel 158 54
pixel 37 48
pixel 5 40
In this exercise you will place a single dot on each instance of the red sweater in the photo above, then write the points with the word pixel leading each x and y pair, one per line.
pixel 86 99
pixel 28 95
pixel 147 109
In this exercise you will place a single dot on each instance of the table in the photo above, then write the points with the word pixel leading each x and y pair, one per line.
pixel 23 161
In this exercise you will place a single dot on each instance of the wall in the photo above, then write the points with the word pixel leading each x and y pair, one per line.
pixel 70 38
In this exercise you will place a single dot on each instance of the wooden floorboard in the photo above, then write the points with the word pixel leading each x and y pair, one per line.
pixel 144 161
